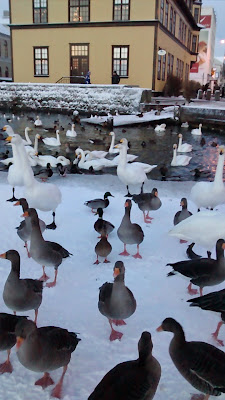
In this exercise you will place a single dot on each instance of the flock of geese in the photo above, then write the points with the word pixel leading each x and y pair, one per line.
pixel 48 348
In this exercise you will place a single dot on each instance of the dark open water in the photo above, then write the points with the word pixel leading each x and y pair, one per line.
pixel 158 147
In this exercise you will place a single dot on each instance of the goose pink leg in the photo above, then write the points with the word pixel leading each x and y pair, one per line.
pixel 137 255
pixel 57 391
pixel 190 290
pixel 114 334
pixel 146 220
pixel 124 253
pixel 45 381
pixel 28 253
pixel 6 366
pixel 53 283
pixel 118 322
pixel 44 277
pixel 215 334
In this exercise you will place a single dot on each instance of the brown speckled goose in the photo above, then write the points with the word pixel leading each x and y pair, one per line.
pixel 203 271
pixel 183 214
pixel 43 251
pixel 200 363
pixel 24 230
pixel 116 301
pixel 8 338
pixel 45 349
pixel 130 233
pixel 101 225
pixel 102 249
pixel 147 202
pixel 136 379
pixel 21 294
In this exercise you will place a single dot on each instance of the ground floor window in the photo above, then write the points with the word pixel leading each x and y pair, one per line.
pixel 79 55
pixel 159 66
pixel 41 61
pixel 120 60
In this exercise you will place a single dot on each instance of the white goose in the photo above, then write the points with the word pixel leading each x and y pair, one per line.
pixel 50 141
pixel 183 147
pixel 96 165
pixel 37 122
pixel 112 150
pixel 43 196
pixel 211 194
pixel 160 128
pixel 197 131
pixel 72 132
pixel 130 174
pixel 179 161
pixel 15 173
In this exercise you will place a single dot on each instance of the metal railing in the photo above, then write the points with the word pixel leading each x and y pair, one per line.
pixel 71 79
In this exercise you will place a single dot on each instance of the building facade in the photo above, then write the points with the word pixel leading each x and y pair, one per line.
pixel 68 38
pixel 5 49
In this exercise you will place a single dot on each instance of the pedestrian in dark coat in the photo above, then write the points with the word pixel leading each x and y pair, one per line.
pixel 115 78
pixel 88 78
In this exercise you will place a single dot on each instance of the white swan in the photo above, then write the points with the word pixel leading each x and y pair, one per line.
pixel 160 128
pixel 50 141
pixel 183 147
pixel 185 125
pixel 27 140
pixel 72 132
pixel 211 194
pixel 197 131
pixel 130 174
pixel 95 154
pixel 38 121
pixel 179 161
pixel 112 150
pixel 44 160
pixel 15 173
pixel 43 196
pixel 97 165
pixel 203 228
pixel 33 150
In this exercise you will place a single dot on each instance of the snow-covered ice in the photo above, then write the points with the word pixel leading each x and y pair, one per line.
pixel 73 302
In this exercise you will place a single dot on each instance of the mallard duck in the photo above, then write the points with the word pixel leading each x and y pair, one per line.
pixel 102 249
pixel 45 173
pixel 21 294
pixel 116 301
pixel 102 226
pixel 99 203
pixel 45 349
pixel 130 233
pixel 134 379
pixel 147 202
pixel 200 363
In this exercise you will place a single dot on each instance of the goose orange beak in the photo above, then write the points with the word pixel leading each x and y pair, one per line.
pixel 3 255
pixel 19 342
pixel 25 214
pixel 116 272
pixel 223 246
pixel 17 203
pixel 159 329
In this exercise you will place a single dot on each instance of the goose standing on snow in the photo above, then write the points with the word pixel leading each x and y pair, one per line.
pixel 200 363
pixel 183 147
pixel 37 122
pixel 116 301
pixel 147 202
pixel 183 214
pixel 211 194
pixel 52 141
pixel 45 349
pixel 140 378
pixel 179 161
pixel 71 132
pixel 197 131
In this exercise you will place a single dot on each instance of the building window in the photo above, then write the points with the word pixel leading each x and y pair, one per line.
pixel 166 14
pixel 121 10
pixel 174 23
pixel 185 34
pixel 6 49
pixel 194 43
pixel 159 68
pixel 120 60
pixel 189 39
pixel 79 54
pixel 79 10
pixel 40 11
pixel 162 11
pixel 171 19
pixel 196 15
pixel 6 72
pixel 41 61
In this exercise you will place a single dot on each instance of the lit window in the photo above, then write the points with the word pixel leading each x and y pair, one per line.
pixel 40 11
pixel 79 10
pixel 121 10
pixel 120 62
pixel 41 61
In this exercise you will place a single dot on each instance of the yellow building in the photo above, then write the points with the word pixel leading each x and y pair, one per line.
pixel 52 39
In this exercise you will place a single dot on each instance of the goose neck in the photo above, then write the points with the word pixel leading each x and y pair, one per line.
pixel 112 144
pixel 219 170
pixel 36 144
pixel 123 156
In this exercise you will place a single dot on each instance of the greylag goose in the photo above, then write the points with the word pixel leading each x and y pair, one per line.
pixel 203 271
pixel 43 251
pixel 99 203
pixel 136 379
pixel 147 202
pixel 24 229
pixel 21 294
pixel 181 215
pixel 8 338
pixel 44 173
pixel 102 249
pixel 214 301
pixel 102 226
pixel 116 301
pixel 45 349
pixel 200 363
pixel 130 233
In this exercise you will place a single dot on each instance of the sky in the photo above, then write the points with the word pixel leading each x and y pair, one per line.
pixel 219 7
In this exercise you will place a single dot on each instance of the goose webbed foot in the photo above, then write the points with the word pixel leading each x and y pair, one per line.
pixel 96 262
pixel 6 367
pixel 125 252
pixel 45 381
pixel 128 193
pixel 215 334
pixel 137 255
pixel 13 198
pixel 44 277
pixel 191 291
pixel 106 261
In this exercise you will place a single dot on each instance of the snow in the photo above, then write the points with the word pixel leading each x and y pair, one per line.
pixel 4 29
pixel 120 120
pixel 72 304
pixel 219 105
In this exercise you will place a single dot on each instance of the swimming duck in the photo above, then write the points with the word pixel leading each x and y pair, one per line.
pixel 43 251
pixel 45 349
pixel 203 271
pixel 24 229
pixel 197 131
pixel 52 141
pixel 37 122
pixel 102 249
pixel 102 226
pixel 147 202
pixel 44 174
pixel 179 161
pixel 183 147
pixel 71 132
pixel 211 194
pixel 214 301
pixel 8 338
pixel 130 233
pixel 183 214
pixel 99 203
pixel 160 128
pixel 116 301
pixel 140 377
pixel 21 294
pixel 200 363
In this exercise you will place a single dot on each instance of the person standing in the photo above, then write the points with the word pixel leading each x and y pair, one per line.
pixel 115 78
pixel 88 78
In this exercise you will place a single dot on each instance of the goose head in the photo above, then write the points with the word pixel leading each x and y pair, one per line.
pixel 183 202
pixel 169 325
pixel 118 269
